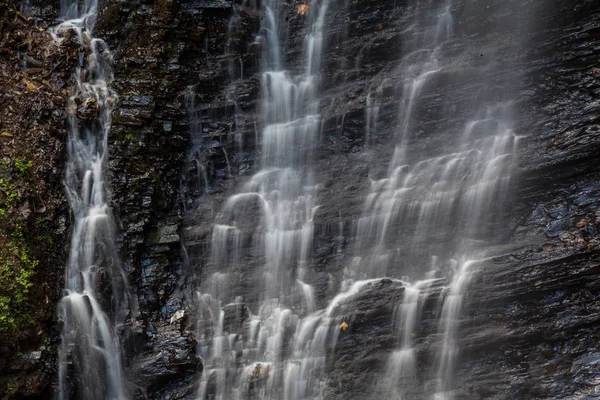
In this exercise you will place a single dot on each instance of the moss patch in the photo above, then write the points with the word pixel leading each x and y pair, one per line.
pixel 17 268
pixel 36 78
pixel 17 265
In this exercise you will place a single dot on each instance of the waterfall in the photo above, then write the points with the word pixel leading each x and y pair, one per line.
pixel 95 302
pixel 443 204
pixel 358 214
pixel 427 221
pixel 401 369
pixel 275 210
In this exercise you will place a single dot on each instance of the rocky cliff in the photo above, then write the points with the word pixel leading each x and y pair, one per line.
pixel 35 79
pixel 184 138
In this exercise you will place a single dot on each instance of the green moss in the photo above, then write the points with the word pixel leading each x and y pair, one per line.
pixel 8 197
pixel 17 265
pixel 127 134
pixel 10 389
pixel 17 269
pixel 23 167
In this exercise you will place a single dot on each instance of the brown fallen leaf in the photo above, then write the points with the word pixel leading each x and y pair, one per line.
pixel 6 134
pixel 303 9
pixel 34 70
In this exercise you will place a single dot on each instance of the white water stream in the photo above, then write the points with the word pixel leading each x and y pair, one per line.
pixel 95 300
pixel 429 205
pixel 279 342
pixel 282 196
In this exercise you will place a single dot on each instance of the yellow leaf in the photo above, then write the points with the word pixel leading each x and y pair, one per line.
pixel 344 326
pixel 91 102
pixel 6 134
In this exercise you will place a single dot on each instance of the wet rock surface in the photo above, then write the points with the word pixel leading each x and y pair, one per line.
pixel 184 139
pixel 551 236
pixel 35 80
pixel 163 52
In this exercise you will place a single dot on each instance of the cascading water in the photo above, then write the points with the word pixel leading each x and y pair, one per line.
pixel 400 378
pixel 436 205
pixel 379 263
pixel 282 197
pixel 428 222
pixel 95 299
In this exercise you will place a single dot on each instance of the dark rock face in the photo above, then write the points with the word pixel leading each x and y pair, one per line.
pixel 548 240
pixel 164 52
pixel 35 79
pixel 184 139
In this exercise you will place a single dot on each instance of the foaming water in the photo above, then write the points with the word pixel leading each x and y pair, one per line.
pixel 95 301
